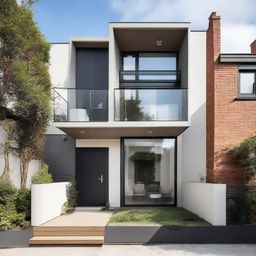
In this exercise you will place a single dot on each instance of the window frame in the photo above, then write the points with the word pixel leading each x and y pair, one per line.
pixel 136 55
pixel 129 84
pixel 246 95
pixel 122 176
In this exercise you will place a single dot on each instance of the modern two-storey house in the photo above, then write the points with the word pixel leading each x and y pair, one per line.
pixel 137 112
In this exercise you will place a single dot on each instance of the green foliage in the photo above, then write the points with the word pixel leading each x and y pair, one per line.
pixel 42 176
pixel 23 202
pixel 8 195
pixel 250 200
pixel 130 110
pixel 10 219
pixel 245 155
pixel 231 212
pixel 25 84
pixel 64 208
pixel 72 195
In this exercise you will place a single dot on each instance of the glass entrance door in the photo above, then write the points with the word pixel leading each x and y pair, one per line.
pixel 149 171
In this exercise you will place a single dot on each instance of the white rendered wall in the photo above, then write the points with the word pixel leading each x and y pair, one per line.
pixel 207 201
pixel 59 72
pixel 194 138
pixel 59 65
pixel 14 164
pixel 114 165
pixel 114 63
pixel 47 201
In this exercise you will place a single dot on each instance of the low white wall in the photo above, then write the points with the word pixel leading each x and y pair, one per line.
pixel 47 201
pixel 206 200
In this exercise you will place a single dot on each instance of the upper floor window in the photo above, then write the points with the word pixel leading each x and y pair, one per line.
pixel 247 84
pixel 149 69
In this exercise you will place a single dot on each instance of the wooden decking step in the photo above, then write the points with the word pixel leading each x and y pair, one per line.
pixel 67 240
pixel 69 231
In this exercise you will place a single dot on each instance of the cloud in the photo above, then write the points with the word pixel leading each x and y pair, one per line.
pixel 238 17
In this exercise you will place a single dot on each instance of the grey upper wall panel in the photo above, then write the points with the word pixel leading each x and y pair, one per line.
pixel 92 68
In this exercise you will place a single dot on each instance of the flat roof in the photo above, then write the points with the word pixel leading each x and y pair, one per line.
pixel 160 22
pixel 237 58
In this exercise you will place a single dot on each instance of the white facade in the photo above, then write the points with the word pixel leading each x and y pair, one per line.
pixel 191 144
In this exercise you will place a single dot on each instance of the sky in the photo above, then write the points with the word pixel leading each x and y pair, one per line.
pixel 61 19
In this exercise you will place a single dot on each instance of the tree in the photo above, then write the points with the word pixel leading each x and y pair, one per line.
pixel 245 155
pixel 25 79
pixel 6 146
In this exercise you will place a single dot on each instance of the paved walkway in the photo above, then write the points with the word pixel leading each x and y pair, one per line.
pixel 83 218
pixel 136 250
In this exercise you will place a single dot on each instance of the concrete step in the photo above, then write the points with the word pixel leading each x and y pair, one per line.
pixel 67 240
pixel 69 231
pixel 88 209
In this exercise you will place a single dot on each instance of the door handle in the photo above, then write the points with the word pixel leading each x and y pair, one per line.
pixel 101 179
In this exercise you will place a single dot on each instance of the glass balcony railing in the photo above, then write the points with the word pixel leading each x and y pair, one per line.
pixel 151 105
pixel 80 105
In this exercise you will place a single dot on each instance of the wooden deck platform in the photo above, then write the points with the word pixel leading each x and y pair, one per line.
pixel 77 228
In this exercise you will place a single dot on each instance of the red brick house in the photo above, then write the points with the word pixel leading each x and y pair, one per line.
pixel 231 105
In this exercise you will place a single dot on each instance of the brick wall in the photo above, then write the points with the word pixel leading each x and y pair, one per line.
pixel 229 121
pixel 253 47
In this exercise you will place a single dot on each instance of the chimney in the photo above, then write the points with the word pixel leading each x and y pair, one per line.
pixel 253 47
pixel 213 35
pixel 212 54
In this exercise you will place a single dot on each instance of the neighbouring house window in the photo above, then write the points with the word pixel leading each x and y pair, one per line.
pixel 247 84
pixel 149 171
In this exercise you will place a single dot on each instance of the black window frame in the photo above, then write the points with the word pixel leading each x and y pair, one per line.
pixel 127 84
pixel 246 95
pixel 122 176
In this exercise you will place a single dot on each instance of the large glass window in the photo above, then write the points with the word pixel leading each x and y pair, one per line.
pixel 149 171
pixel 157 61
pixel 247 84
pixel 149 67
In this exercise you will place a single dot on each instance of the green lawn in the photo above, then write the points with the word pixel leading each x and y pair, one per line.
pixel 178 217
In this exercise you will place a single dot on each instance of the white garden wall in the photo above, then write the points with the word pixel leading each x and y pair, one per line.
pixel 14 164
pixel 206 200
pixel 47 201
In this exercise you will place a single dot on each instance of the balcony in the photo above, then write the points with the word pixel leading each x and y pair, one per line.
pixel 151 105
pixel 149 78
pixel 80 105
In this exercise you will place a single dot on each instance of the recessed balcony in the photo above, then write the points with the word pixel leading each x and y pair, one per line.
pixel 80 105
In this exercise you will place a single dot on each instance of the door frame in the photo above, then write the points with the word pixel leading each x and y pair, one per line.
pixel 106 178
pixel 122 176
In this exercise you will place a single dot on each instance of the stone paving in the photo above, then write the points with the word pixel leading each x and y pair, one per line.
pixel 137 250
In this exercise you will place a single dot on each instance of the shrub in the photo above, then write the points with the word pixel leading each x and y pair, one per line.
pixel 71 195
pixel 250 199
pixel 245 155
pixel 42 176
pixel 23 202
pixel 8 195
pixel 10 219
pixel 231 212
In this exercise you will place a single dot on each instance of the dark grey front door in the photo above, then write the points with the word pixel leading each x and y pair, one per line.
pixel 91 176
